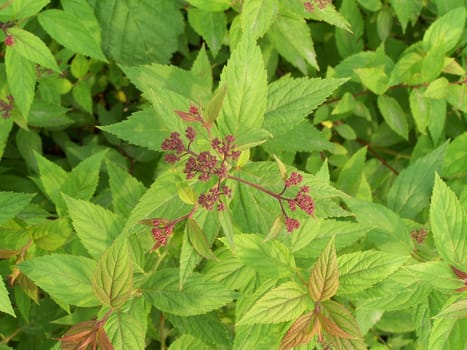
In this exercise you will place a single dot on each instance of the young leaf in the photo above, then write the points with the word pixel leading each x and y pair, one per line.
pixel 283 303
pixel 271 258
pixel 65 277
pixel 72 32
pixel 199 295
pixel 374 78
pixel 5 303
pixel 456 310
pixel 125 331
pixel 112 280
pixel 394 115
pixel 225 220
pixel 96 227
pixel 410 192
pixel 446 30
pixel 246 81
pixel 258 16
pixel 198 240
pixel 4 132
pixel 17 10
pixel 215 104
pixel 212 26
pixel 12 204
pixel 21 77
pixel 51 234
pixel 351 174
pixel 361 270
pixel 300 332
pixel 32 48
pixel 324 276
pixel 448 222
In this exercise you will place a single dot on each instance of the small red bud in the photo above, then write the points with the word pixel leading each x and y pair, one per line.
pixel 9 40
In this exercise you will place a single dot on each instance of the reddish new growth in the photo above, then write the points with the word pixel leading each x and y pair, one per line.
pixel 7 106
pixel 302 200
pixel 9 40
pixel 310 5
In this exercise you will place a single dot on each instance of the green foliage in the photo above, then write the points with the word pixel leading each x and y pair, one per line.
pixel 223 174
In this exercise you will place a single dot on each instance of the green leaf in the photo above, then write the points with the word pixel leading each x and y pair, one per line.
pixel 5 303
pixel 394 115
pixel 324 276
pixel 389 231
pixel 456 97
pixel 258 16
pixel 20 9
pixel 208 328
pixel 125 331
pixel 211 5
pixel 112 280
pixel 82 94
pixel 437 274
pixel 438 89
pixel 5 129
pixel 456 156
pixel 456 310
pixel 154 25
pixel 291 37
pixel 12 204
pixel 212 26
pixel 72 32
pixel 272 258
pixel 374 78
pixel 45 115
pixel 350 42
pixel 245 78
pixel 126 190
pixel 21 77
pixel 175 79
pixel 96 227
pixel 446 30
pixel 441 330
pixel 83 179
pixel 411 190
pixel 448 222
pixel 198 240
pixel 51 234
pixel 65 277
pixel 186 341
pixel 433 62
pixel 199 295
pixel 142 128
pixel 32 48
pixel 361 270
pixel 283 303
pixel 407 11
pixel 351 175
pixel 215 104
pixel 29 142
pixel 290 100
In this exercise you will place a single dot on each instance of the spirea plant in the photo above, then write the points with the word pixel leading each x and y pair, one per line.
pixel 233 174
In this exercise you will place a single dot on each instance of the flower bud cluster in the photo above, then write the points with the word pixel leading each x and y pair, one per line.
pixel 161 231
pixel 7 106
pixel 310 5
pixel 301 200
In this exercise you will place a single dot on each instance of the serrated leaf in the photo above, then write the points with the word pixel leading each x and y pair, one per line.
pixel 96 227
pixel 65 277
pixel 272 259
pixel 448 222
pixel 211 5
pixel 283 303
pixel 361 270
pixel 5 303
pixel 246 81
pixel 394 115
pixel 12 203
pixel 446 30
pixel 300 332
pixel 410 192
pixel 212 26
pixel 51 234
pixel 198 240
pixel 4 132
pixel 456 156
pixel 32 48
pixel 258 16
pixel 72 32
pixel 126 190
pixel 291 37
pixel 125 331
pixel 198 296
pixel 21 77
pixel 154 25
pixel 407 11
pixel 456 310
pixel 351 175
pixel 290 100
pixel 112 280
pixel 374 78
pixel 17 10
pixel 324 276
pixel 440 333
pixel 390 233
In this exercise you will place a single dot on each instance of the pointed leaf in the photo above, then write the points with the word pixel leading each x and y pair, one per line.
pixel 445 30
pixel 112 280
pixel 351 174
pixel 456 310
pixel 212 26
pixel 12 204
pixel 394 115
pixel 258 16
pixel 448 222
pixel 198 240
pixel 198 296
pixel 21 9
pixel 283 303
pixel 215 104
pixel 324 276
pixel 51 234
pixel 65 277
pixel 125 331
pixel 5 303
